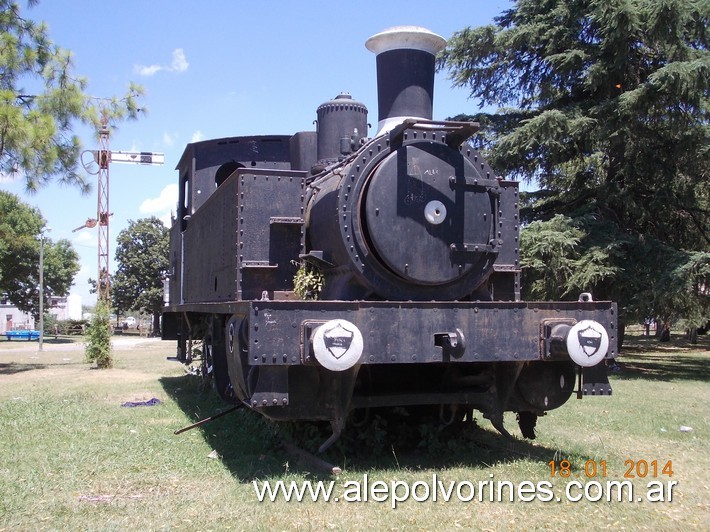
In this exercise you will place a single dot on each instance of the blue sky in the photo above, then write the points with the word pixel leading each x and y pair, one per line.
pixel 219 68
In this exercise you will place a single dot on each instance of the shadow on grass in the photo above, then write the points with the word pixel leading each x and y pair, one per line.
pixel 59 341
pixel 251 446
pixel 664 368
pixel 645 357
pixel 12 368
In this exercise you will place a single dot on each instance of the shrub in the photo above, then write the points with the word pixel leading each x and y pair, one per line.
pixel 308 281
pixel 98 333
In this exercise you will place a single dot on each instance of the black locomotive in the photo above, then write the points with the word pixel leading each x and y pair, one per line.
pixel 327 272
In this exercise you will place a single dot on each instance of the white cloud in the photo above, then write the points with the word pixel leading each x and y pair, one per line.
pixel 168 139
pixel 197 136
pixel 163 205
pixel 147 70
pixel 86 235
pixel 167 219
pixel 179 64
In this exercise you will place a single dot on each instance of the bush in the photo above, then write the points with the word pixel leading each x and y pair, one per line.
pixel 98 333
pixel 308 281
pixel 73 326
pixel 50 320
pixel 64 327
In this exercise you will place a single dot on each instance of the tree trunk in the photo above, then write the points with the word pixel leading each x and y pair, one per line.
pixel 693 335
pixel 665 331
pixel 156 324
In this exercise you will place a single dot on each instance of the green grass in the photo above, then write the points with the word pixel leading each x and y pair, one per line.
pixel 72 459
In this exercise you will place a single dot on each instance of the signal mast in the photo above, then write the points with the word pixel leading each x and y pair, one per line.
pixel 104 157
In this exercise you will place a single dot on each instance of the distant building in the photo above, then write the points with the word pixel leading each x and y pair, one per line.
pixel 63 308
pixel 59 307
pixel 74 307
pixel 12 318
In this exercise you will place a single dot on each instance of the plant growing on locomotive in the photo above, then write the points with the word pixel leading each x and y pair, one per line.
pixel 417 242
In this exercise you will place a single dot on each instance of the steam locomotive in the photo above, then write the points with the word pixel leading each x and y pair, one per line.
pixel 329 273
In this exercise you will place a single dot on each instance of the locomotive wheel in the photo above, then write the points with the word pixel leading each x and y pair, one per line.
pixel 215 361
pixel 236 354
pixel 206 364
pixel 547 385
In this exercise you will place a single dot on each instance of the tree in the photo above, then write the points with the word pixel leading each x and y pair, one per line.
pixel 41 100
pixel 555 263
pixel 98 335
pixel 20 227
pixel 606 106
pixel 142 257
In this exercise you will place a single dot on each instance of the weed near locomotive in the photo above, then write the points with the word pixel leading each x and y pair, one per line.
pixel 407 245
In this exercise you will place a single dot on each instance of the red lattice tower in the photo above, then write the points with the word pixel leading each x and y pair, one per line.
pixel 103 158
pixel 103 216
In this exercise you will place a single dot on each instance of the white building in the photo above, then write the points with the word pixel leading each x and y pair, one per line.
pixel 73 307
pixel 64 308
pixel 12 318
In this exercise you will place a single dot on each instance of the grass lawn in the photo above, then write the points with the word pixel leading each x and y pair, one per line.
pixel 73 459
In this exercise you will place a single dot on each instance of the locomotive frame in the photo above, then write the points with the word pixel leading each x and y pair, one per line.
pixel 435 321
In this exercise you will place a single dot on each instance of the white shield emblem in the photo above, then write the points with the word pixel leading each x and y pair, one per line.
pixel 337 345
pixel 590 340
pixel 587 343
pixel 338 340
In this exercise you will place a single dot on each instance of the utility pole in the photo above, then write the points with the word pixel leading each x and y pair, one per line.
pixel 104 157
pixel 41 285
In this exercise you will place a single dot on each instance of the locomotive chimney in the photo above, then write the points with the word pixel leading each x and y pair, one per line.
pixel 405 73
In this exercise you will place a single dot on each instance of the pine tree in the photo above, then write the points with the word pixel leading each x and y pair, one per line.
pixel 41 100
pixel 605 104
